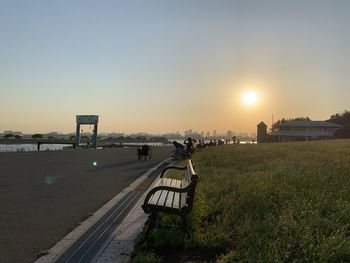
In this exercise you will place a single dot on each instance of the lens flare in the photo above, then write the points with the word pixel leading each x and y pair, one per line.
pixel 49 180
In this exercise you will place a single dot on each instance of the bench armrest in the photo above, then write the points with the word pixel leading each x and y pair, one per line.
pixel 171 167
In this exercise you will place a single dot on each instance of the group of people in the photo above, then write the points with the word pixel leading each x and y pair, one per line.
pixel 144 151
pixel 203 144
pixel 185 150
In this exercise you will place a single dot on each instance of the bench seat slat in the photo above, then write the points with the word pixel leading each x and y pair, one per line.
pixel 183 197
pixel 165 181
pixel 170 199
pixel 162 198
pixel 173 183
pixel 154 199
pixel 176 203
pixel 176 183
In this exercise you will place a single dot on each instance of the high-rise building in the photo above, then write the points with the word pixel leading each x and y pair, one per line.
pixel 188 133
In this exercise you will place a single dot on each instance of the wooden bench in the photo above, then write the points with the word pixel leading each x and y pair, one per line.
pixel 171 196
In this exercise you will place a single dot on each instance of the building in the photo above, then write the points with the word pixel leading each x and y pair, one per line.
pixel 188 133
pixel 261 132
pixel 305 130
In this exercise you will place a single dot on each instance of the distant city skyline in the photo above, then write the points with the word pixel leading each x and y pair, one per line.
pixel 186 133
pixel 162 66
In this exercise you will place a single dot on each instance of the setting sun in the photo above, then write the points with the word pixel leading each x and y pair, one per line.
pixel 250 98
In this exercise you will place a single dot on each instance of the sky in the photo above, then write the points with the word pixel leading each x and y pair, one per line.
pixel 167 66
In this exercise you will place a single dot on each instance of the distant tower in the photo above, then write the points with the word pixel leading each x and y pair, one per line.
pixel 262 132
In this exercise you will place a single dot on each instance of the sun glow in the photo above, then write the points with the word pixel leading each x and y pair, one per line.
pixel 250 98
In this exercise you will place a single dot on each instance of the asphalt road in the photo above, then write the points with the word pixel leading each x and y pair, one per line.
pixel 44 195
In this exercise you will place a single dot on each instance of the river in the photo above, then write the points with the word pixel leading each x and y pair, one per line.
pixel 31 147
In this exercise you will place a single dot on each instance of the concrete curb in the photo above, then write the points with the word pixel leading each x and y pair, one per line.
pixel 57 250
pixel 121 244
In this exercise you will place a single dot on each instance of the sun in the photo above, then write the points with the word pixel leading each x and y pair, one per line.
pixel 250 97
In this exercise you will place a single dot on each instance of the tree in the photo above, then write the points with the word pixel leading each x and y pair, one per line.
pixel 344 120
pixel 18 136
pixel 37 136
pixel 9 135
pixel 341 118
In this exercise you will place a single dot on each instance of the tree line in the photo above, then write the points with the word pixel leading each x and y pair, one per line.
pixel 16 136
pixel 344 120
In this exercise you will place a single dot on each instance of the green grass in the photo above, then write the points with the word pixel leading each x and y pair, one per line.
pixel 285 202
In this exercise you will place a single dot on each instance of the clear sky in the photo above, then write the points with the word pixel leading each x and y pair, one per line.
pixel 162 66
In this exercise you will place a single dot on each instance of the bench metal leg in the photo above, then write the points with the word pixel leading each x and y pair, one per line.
pixel 151 222
pixel 184 225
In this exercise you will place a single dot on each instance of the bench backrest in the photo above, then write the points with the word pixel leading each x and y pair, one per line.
pixel 190 177
pixel 188 173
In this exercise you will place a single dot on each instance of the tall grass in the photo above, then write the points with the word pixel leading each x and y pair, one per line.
pixel 287 202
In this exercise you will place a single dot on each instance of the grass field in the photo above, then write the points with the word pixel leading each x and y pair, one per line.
pixel 283 202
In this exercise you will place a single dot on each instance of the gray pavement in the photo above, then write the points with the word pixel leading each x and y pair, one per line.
pixel 120 242
pixel 44 195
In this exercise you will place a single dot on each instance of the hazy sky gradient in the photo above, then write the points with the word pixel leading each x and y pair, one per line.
pixel 161 66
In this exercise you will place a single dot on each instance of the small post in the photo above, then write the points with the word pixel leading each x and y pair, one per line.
pixel 77 135
pixel 94 138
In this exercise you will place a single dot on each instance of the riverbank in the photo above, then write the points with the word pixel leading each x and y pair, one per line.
pixel 282 202
pixel 29 144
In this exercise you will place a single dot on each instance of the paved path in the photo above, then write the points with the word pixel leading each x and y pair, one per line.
pixel 43 195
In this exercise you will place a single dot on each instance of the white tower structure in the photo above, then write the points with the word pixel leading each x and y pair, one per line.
pixel 89 120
